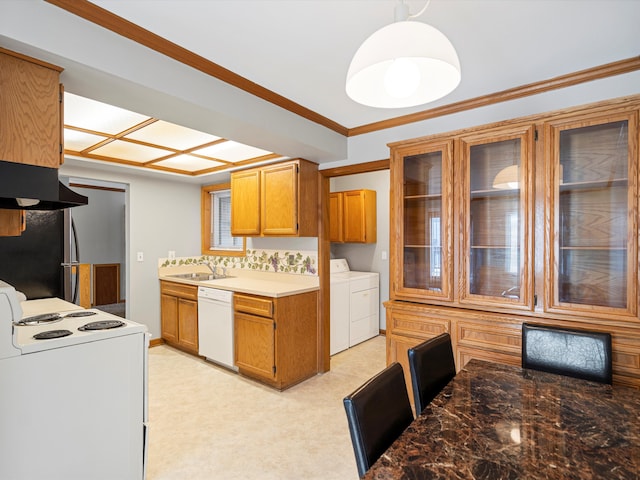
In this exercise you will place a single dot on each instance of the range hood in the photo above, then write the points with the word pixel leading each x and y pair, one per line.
pixel 30 187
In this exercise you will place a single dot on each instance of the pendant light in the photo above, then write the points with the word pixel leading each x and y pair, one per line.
pixel 404 64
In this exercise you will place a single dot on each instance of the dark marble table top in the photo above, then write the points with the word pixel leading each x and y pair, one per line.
pixel 501 422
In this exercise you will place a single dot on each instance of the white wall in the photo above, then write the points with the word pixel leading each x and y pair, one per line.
pixel 373 146
pixel 368 257
pixel 161 215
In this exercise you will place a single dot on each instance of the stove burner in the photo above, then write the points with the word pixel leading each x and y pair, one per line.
pixel 101 325
pixel 51 334
pixel 40 319
pixel 52 317
pixel 81 313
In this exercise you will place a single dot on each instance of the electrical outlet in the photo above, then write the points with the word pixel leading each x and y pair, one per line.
pixel 140 256
pixel 172 255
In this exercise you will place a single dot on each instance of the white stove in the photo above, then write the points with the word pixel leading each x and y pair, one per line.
pixel 24 335
pixel 84 392
pixel 105 325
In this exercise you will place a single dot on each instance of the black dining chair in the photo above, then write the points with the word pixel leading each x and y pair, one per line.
pixel 432 367
pixel 377 413
pixel 565 351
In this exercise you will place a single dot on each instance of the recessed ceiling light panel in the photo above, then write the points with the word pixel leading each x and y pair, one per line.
pixel 171 135
pixel 132 152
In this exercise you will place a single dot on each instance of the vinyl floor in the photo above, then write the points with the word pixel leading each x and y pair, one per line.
pixel 206 422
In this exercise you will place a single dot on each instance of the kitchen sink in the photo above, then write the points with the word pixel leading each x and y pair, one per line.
pixel 197 277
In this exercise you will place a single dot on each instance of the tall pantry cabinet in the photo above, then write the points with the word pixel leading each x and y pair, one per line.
pixel 533 219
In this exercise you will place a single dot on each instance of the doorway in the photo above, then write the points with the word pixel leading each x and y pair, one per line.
pixel 101 237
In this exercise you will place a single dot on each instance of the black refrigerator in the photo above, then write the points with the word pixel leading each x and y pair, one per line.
pixel 38 263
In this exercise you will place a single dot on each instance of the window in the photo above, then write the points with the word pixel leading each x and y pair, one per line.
pixel 216 223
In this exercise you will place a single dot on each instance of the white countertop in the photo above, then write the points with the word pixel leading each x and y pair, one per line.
pixel 267 284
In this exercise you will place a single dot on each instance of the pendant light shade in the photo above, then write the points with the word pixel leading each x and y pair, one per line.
pixel 404 64
pixel 508 178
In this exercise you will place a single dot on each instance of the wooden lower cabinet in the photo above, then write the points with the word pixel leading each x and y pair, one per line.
pixel 179 315
pixel 276 339
pixel 493 337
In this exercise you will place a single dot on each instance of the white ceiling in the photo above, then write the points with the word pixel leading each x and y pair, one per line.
pixel 301 49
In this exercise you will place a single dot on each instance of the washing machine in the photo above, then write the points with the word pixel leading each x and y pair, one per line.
pixel 354 306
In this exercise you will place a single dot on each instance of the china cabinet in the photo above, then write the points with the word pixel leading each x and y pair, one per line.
pixel 532 219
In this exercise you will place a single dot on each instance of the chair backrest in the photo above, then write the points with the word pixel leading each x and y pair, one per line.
pixel 565 351
pixel 432 367
pixel 377 412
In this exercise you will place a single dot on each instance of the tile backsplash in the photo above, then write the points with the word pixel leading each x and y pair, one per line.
pixel 278 261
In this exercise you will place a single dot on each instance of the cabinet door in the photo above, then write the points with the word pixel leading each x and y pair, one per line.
pixel 359 216
pixel 255 345
pixel 592 242
pixel 245 202
pixel 169 317
pixel 422 236
pixel 30 109
pixel 279 199
pixel 12 223
pixel 496 222
pixel 188 324
pixel 335 217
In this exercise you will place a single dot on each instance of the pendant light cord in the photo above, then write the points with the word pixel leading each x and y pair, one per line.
pixel 421 11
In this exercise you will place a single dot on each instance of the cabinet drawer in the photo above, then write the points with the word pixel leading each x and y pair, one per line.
pixel 255 305
pixel 416 325
pixel 500 338
pixel 181 290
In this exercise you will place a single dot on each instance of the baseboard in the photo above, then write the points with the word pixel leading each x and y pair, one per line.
pixel 154 342
pixel 383 332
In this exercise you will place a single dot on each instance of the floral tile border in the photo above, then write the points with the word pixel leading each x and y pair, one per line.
pixel 277 261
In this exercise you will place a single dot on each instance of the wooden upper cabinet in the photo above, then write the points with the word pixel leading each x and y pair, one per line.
pixel 592 222
pixel 276 200
pixel 352 216
pixel 496 217
pixel 279 199
pixel 30 111
pixel 422 221
pixel 336 208
pixel 245 202
pixel 360 216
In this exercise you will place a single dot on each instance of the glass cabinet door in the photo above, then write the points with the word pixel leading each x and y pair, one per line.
pixel 422 200
pixel 593 231
pixel 496 223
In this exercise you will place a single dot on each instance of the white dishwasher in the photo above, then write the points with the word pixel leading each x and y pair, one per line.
pixel 215 326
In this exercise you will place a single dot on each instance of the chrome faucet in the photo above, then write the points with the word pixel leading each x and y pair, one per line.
pixel 209 265
pixel 214 269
